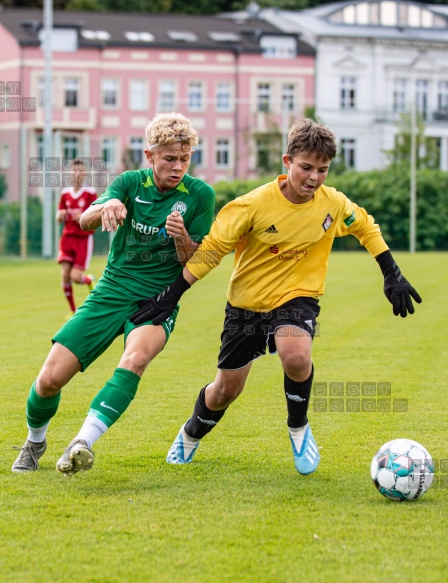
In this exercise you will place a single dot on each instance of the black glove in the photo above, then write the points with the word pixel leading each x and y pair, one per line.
pixel 158 308
pixel 396 287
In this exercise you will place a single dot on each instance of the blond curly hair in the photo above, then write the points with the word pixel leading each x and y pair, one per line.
pixel 168 128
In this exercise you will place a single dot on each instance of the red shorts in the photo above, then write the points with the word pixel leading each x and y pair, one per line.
pixel 76 250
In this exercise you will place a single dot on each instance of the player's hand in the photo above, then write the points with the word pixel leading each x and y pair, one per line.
pixel 159 308
pixel 61 215
pixel 400 292
pixel 113 213
pixel 175 225
pixel 397 289
pixel 75 215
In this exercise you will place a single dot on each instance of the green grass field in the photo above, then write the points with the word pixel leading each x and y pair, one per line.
pixel 239 512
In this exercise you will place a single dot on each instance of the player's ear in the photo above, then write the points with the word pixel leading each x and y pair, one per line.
pixel 149 156
pixel 286 158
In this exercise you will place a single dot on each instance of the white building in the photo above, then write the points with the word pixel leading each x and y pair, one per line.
pixel 374 60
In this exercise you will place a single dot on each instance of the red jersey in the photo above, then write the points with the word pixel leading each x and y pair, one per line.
pixel 70 201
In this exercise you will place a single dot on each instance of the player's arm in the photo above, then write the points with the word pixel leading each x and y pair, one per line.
pixel 230 224
pixel 397 289
pixel 61 213
pixel 188 241
pixel 159 307
pixel 185 246
pixel 109 215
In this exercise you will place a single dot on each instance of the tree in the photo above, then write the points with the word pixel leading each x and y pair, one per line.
pixel 3 186
pixel 427 151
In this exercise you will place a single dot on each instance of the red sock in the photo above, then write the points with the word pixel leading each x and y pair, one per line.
pixel 68 292
pixel 86 279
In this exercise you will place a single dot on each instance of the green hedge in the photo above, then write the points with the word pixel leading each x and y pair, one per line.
pixel 384 194
pixel 10 230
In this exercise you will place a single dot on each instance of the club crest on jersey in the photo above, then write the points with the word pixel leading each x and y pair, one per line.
pixel 180 207
pixel 328 222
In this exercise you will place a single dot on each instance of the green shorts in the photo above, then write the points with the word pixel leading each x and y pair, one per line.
pixel 103 317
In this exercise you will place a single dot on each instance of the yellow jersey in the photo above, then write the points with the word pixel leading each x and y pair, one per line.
pixel 281 248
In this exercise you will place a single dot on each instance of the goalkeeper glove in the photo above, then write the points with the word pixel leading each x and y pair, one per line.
pixel 397 289
pixel 158 308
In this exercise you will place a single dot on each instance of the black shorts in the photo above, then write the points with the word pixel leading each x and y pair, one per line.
pixel 246 334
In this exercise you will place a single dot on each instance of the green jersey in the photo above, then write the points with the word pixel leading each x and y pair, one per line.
pixel 142 258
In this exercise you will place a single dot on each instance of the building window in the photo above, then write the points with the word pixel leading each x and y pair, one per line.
pixel 197 159
pixel 348 92
pixel 136 151
pixel 288 97
pixel 348 152
pixel 109 92
pixel 70 147
pixel 421 96
pixel 267 148
pixel 442 99
pixel 400 100
pixel 278 47
pixel 167 95
pixel 109 152
pixel 223 96
pixel 195 96
pixel 388 13
pixel 264 97
pixel 40 147
pixel 222 153
pixel 71 92
pixel 41 91
pixel 5 156
pixel 138 95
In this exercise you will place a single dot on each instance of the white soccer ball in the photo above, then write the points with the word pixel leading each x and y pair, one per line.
pixel 402 469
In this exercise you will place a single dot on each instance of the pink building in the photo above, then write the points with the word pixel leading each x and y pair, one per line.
pixel 241 84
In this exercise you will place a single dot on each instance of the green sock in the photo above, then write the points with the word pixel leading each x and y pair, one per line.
pixel 40 410
pixel 115 397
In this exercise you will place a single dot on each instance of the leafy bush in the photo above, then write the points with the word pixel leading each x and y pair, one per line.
pixel 10 230
pixel 385 194
pixel 227 191
pixel 3 186
pixel 11 227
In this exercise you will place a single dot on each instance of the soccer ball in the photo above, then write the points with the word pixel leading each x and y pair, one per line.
pixel 402 469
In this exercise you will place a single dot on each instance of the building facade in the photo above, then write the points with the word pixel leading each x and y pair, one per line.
pixel 379 64
pixel 241 83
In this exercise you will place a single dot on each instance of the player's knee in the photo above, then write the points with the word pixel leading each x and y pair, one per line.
pixel 297 366
pixel 76 276
pixel 48 383
pixel 226 392
pixel 135 361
